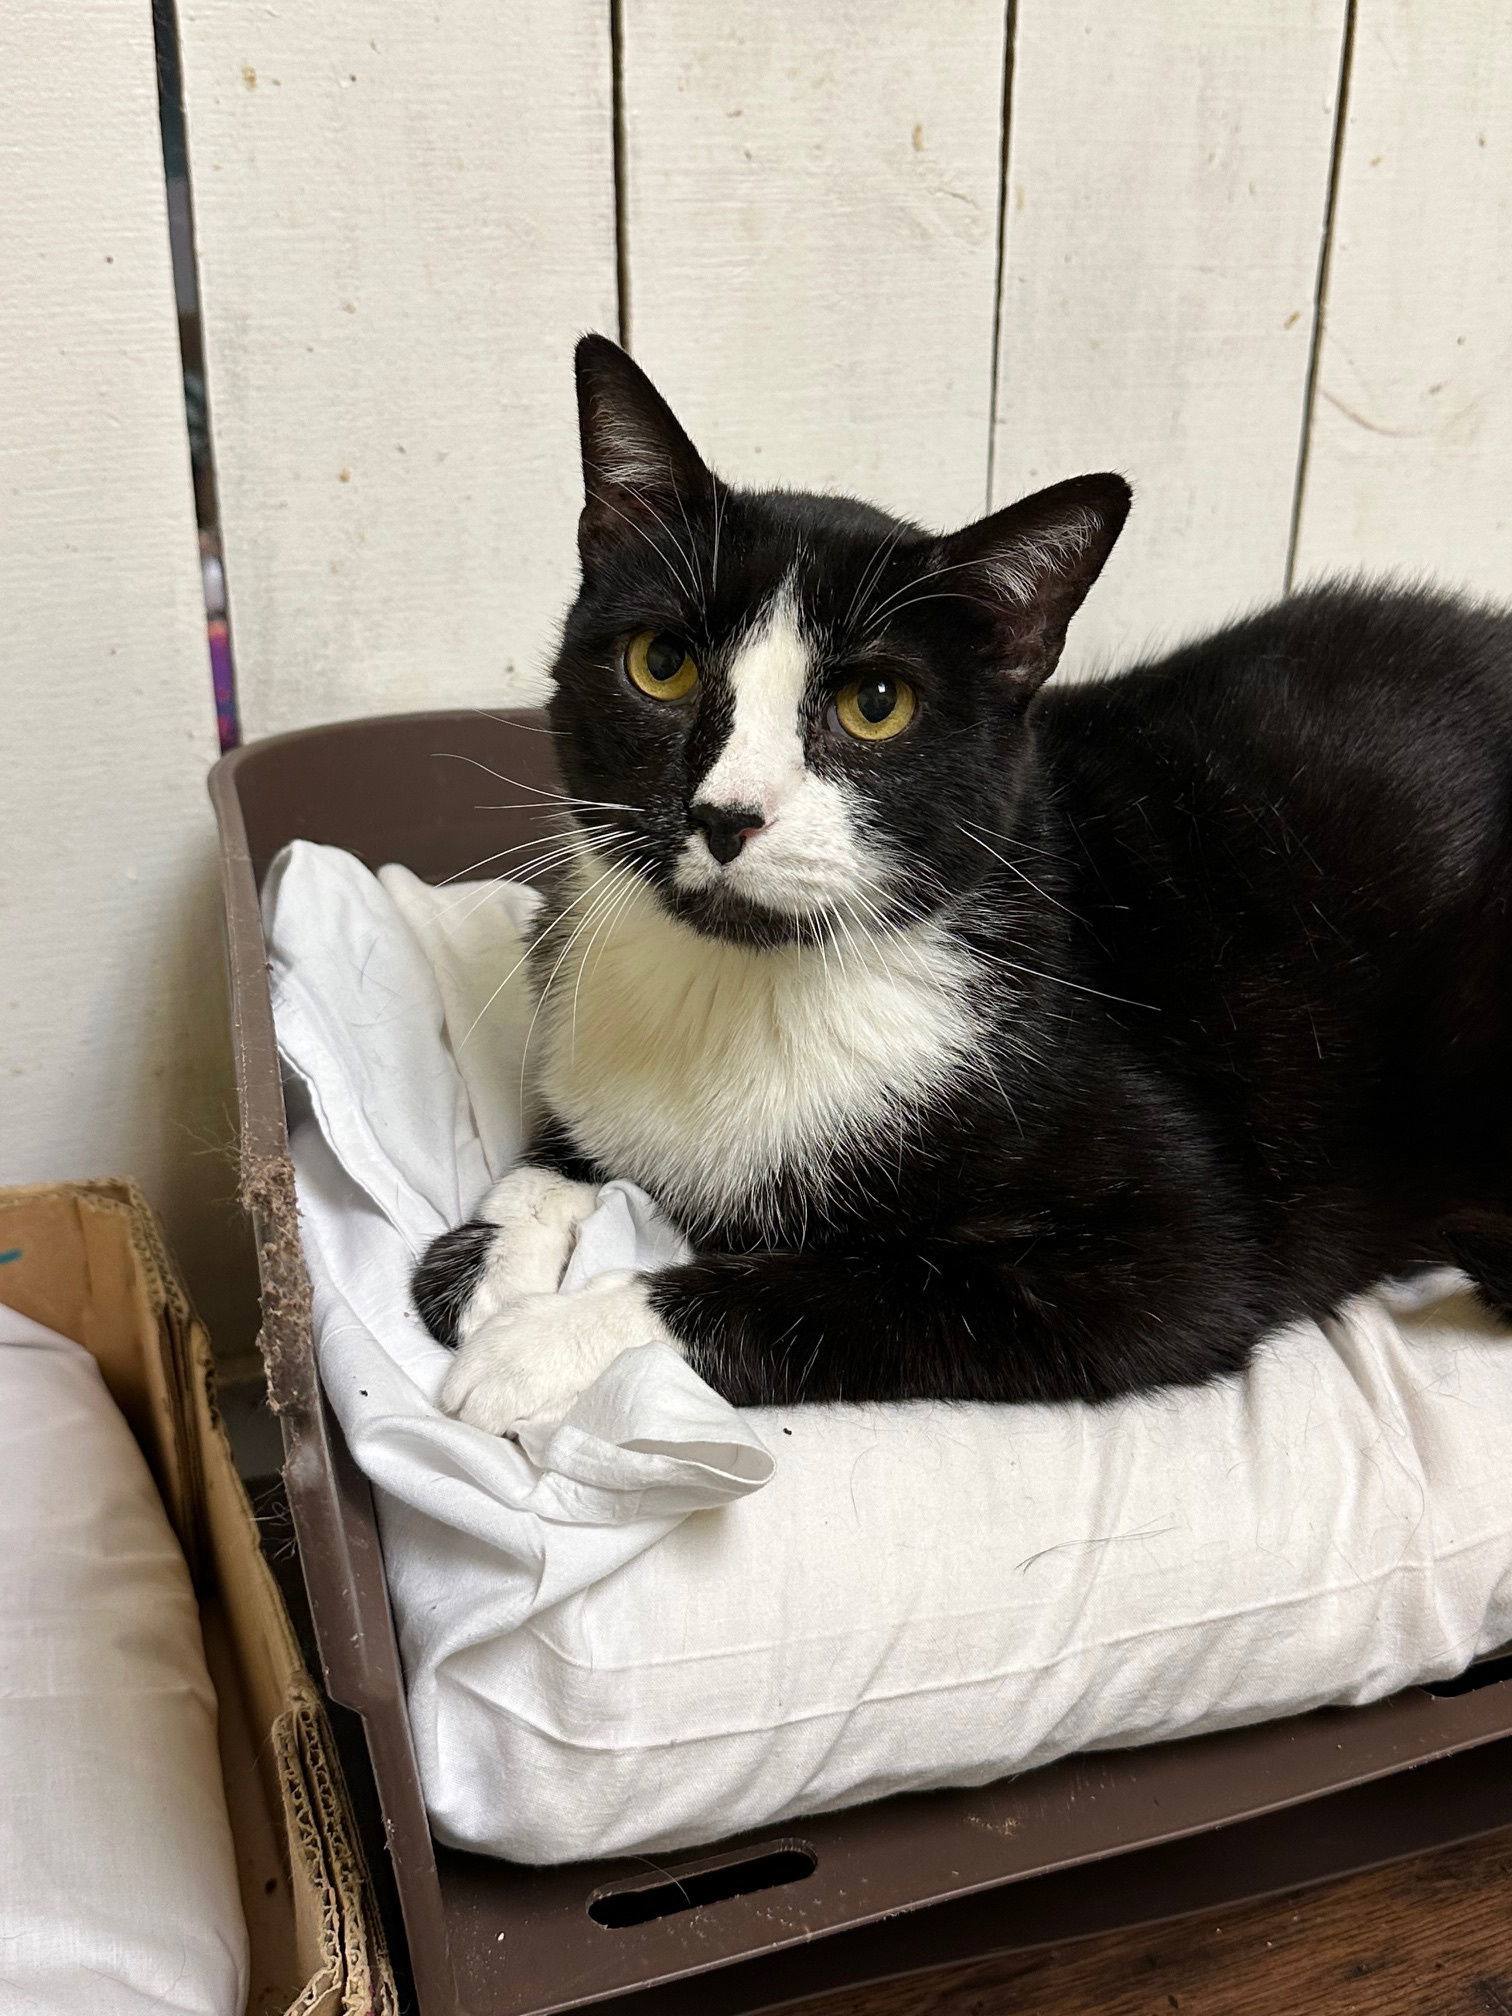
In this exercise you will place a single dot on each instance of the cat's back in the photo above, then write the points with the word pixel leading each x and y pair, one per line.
pixel 1342 658
pixel 1368 728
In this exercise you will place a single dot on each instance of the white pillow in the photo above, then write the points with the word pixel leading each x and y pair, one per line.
pixel 665 1620
pixel 118 1892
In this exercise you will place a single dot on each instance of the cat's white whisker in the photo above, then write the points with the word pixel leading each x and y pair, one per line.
pixel 519 847
pixel 514 724
pixel 964 828
pixel 553 807
pixel 553 856
pixel 607 924
pixel 688 569
pixel 519 964
pixel 941 595
pixel 692 551
pixel 544 991
pixel 541 793
pixel 883 609
pixel 871 575
pixel 606 503
pixel 718 512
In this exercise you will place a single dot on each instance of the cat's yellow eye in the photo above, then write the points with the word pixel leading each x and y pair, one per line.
pixel 660 664
pixel 876 708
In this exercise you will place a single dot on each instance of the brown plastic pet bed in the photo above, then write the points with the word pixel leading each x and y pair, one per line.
pixel 914 1882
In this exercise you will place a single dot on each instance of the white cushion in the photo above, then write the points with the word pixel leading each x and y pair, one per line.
pixel 665 1620
pixel 118 1893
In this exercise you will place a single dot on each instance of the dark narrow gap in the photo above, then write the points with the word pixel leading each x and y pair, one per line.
pixel 1010 29
pixel 621 242
pixel 1489 1672
pixel 641 1903
pixel 192 363
pixel 1320 288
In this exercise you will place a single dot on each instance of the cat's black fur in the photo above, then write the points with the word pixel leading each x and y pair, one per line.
pixel 1243 914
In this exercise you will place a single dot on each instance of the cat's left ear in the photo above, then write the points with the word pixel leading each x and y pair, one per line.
pixel 1031 564
pixel 639 467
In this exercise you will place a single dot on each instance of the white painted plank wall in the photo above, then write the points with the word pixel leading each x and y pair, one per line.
pixel 1168 168
pixel 1410 458
pixel 112 1018
pixel 405 217
pixel 811 224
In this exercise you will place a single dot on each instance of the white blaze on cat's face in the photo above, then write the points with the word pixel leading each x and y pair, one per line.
pixel 807 856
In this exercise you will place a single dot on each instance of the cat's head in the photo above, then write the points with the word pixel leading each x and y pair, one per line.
pixel 790 714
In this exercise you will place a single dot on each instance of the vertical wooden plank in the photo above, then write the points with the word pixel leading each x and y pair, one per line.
pixel 405 218
pixel 112 1017
pixel 1411 446
pixel 1168 174
pixel 811 230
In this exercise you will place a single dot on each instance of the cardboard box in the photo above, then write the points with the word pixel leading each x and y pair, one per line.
pixel 88 1260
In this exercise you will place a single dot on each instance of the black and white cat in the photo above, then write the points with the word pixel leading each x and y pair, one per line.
pixel 988 1043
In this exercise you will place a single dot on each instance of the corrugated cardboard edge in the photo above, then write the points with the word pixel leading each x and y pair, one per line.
pixel 356 1974
pixel 93 1265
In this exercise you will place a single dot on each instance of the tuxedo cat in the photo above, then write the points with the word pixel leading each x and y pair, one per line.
pixel 988 1043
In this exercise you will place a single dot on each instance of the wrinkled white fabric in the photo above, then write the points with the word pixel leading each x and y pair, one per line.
pixel 633 1630
pixel 118 1893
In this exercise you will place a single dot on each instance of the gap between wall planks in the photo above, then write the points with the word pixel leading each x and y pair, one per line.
pixel 112 1011
pixel 1411 439
pixel 1168 170
pixel 810 224
pixel 405 217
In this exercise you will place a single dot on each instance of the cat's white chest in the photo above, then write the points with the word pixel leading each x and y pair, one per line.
pixel 701 1069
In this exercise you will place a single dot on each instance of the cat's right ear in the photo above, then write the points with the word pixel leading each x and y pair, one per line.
pixel 1029 566
pixel 639 467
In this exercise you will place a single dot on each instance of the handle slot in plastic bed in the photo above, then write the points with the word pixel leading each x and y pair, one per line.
pixel 673 1889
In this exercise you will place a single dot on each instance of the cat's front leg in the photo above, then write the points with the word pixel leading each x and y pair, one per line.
pixel 517 1246
pixel 1049 1318
pixel 1070 1314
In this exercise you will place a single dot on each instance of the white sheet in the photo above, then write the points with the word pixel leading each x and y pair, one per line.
pixel 635 1630
pixel 118 1892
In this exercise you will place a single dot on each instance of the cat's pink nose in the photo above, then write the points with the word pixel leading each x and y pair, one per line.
pixel 726 828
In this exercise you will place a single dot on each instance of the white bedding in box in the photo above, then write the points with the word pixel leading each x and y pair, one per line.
pixel 118 1892
pixel 665 1620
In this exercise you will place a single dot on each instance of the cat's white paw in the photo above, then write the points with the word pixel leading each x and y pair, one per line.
pixel 538 1214
pixel 536 1353
pixel 519 1243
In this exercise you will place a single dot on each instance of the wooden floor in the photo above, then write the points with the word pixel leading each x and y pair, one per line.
pixel 1430 1937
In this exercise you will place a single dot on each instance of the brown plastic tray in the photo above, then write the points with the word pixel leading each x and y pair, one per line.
pixel 1194 1825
